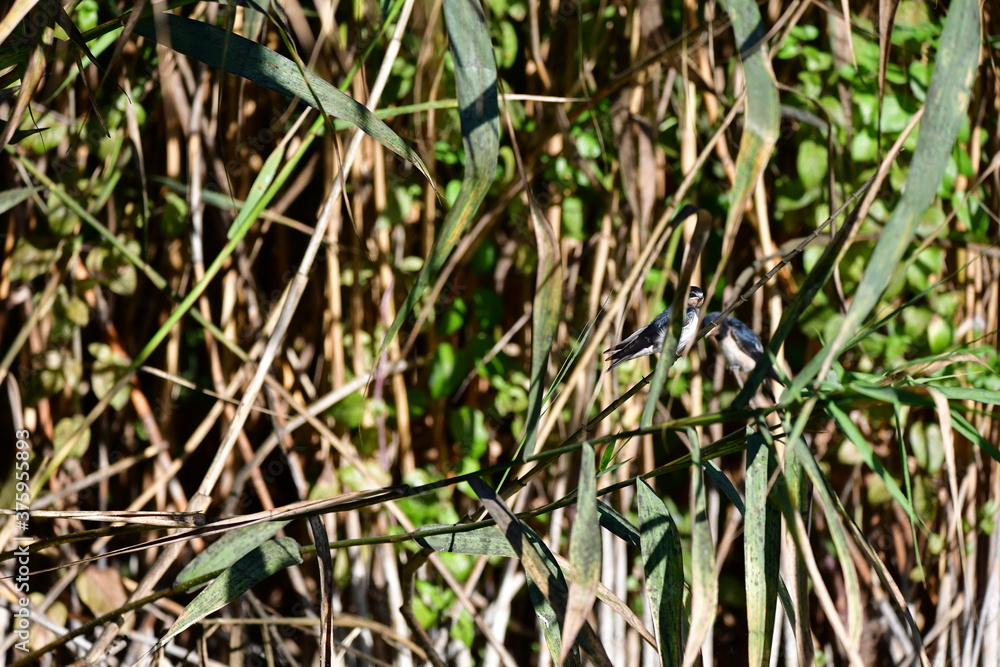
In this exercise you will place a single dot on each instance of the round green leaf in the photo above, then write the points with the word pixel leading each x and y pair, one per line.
pixel 811 162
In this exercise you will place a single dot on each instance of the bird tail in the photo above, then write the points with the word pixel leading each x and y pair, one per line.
pixel 766 384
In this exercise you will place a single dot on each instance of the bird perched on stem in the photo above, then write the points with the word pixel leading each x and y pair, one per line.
pixel 741 347
pixel 649 339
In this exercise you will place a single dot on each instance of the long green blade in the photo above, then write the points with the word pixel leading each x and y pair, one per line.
pixel 947 104
pixel 479 111
pixel 242 57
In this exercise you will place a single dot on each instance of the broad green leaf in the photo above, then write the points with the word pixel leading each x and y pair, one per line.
pixel 270 557
pixel 468 427
pixel 108 367
pixel 442 372
pixel 228 549
pixel 240 56
pixel 811 162
pixel 762 548
pixel 704 583
pixel 65 428
pixel 453 319
pixel 662 561
pixel 27 262
pixel 71 311
pixel 584 552
pixel 484 541
pixel 109 266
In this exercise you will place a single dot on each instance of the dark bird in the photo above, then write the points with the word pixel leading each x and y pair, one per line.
pixel 649 339
pixel 741 347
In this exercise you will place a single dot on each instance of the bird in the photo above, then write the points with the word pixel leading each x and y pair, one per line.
pixel 649 339
pixel 741 347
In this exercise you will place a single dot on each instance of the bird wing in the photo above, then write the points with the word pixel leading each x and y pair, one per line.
pixel 752 343
pixel 647 340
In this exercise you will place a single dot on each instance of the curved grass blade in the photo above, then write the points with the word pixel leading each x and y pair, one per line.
pixel 791 496
pixel 618 525
pixel 258 192
pixel 479 112
pixel 760 131
pixel 240 56
pixel 984 396
pixel 543 572
pixel 818 277
pixel 947 103
pixel 853 434
pixel 545 315
pixel 490 541
pixel 970 432
pixel 663 564
pixel 11 198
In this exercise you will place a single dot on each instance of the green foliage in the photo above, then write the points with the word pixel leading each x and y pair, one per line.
pixel 468 427
pixel 65 428
pixel 109 267
pixel 887 326
pixel 107 368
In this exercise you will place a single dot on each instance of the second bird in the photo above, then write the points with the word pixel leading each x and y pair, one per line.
pixel 741 347
pixel 649 339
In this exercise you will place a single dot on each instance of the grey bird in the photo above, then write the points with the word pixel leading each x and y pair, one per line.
pixel 741 347
pixel 649 339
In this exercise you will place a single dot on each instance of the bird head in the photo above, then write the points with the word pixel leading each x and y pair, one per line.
pixel 696 297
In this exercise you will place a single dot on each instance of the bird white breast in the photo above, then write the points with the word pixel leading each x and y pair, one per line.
pixel 687 333
pixel 735 355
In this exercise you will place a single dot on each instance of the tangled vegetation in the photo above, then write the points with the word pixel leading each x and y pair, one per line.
pixel 296 380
